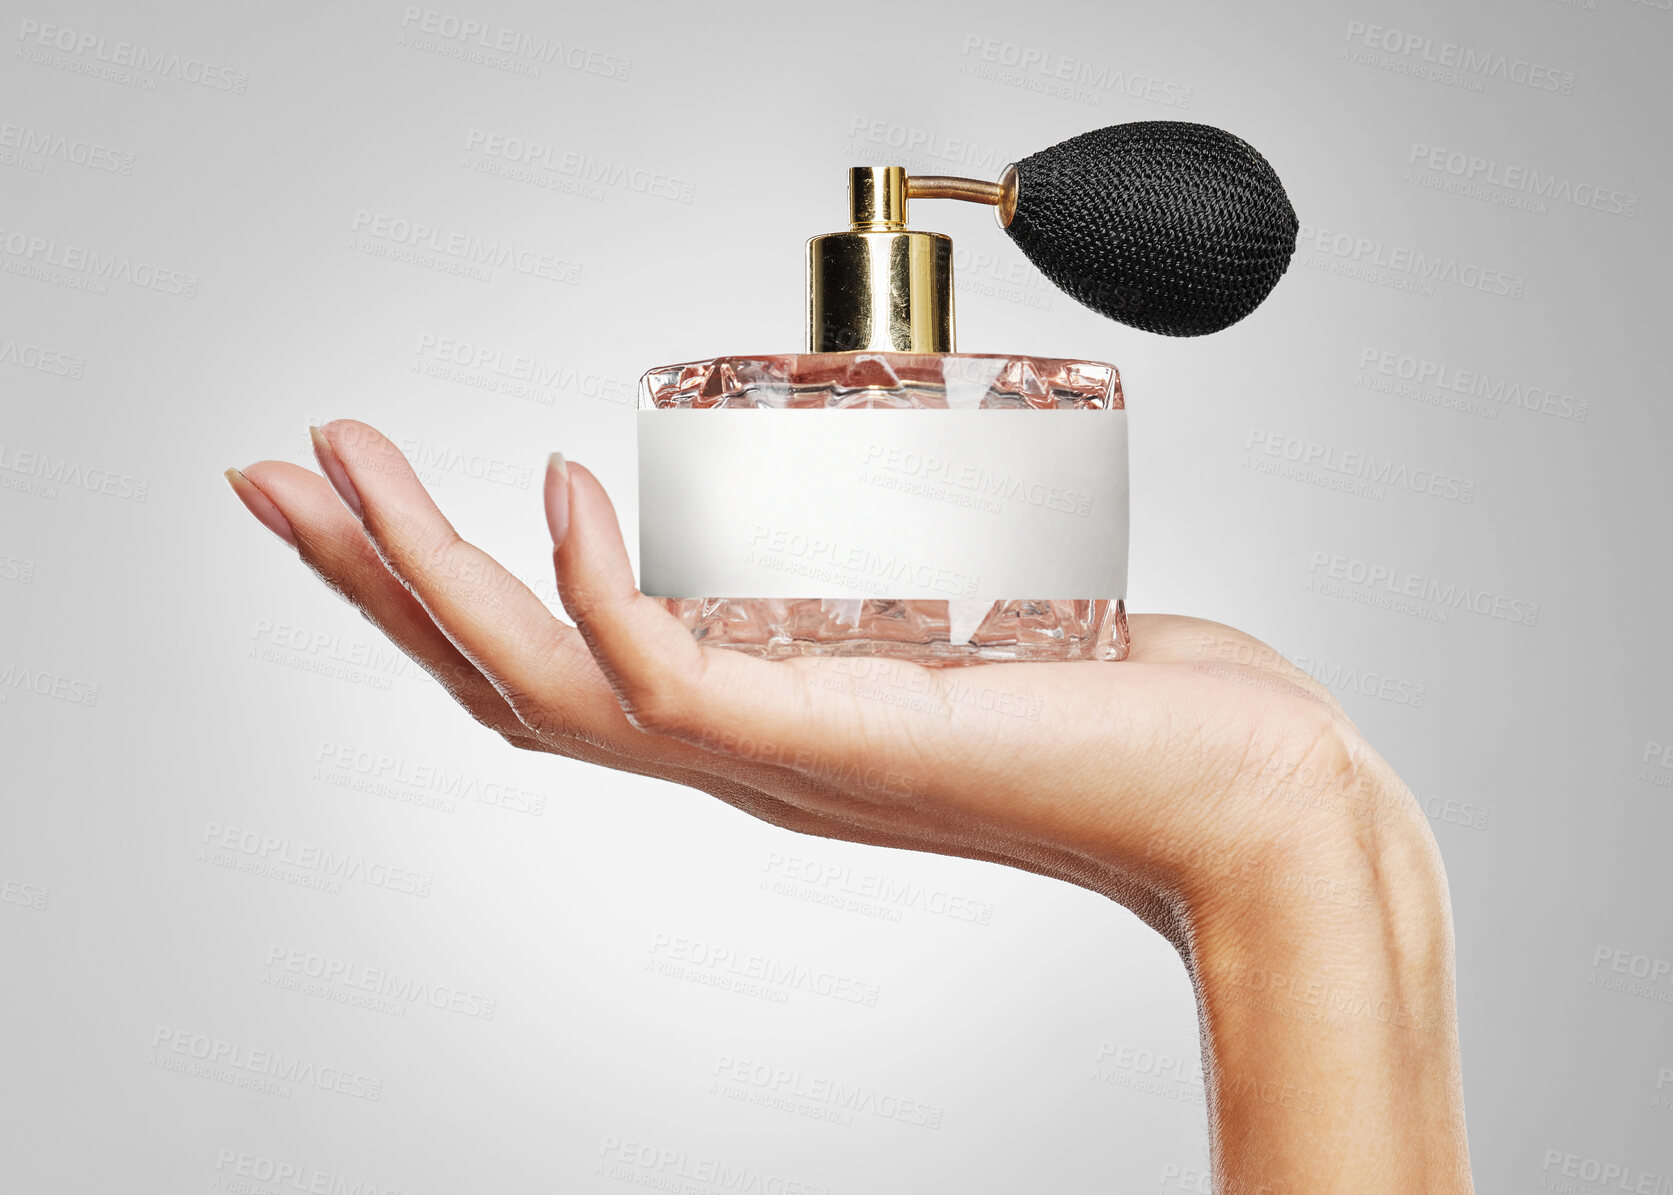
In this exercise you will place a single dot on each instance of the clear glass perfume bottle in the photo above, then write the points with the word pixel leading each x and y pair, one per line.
pixel 880 337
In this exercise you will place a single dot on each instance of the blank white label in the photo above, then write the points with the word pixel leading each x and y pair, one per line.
pixel 989 505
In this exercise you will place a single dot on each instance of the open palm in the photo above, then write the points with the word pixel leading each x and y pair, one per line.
pixel 1123 778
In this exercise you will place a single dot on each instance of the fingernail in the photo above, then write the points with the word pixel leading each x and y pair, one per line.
pixel 260 505
pixel 557 497
pixel 335 473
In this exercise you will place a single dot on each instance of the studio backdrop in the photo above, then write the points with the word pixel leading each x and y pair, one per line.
pixel 278 917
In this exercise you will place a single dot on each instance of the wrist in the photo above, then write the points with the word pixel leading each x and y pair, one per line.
pixel 1328 1007
pixel 1350 909
pixel 1336 870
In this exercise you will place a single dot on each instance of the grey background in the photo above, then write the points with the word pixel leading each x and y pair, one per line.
pixel 169 674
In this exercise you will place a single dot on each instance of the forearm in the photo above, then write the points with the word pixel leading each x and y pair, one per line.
pixel 1329 1032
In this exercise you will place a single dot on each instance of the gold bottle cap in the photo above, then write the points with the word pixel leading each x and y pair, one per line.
pixel 880 286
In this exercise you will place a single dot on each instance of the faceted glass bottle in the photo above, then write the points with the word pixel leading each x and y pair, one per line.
pixel 928 631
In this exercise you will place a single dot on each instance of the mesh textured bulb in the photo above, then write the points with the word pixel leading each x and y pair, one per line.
pixel 1172 227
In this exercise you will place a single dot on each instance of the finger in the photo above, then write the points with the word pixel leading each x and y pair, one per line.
pixel 334 546
pixel 656 669
pixel 536 662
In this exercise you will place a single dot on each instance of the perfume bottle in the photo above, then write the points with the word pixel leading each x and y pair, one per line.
pixel 883 494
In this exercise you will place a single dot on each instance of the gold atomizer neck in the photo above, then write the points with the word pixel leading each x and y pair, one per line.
pixel 880 286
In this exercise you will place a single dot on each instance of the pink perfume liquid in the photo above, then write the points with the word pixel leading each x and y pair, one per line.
pixel 927 631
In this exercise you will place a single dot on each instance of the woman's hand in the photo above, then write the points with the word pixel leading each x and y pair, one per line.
pixel 1205 783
